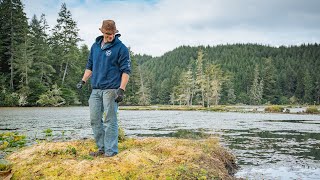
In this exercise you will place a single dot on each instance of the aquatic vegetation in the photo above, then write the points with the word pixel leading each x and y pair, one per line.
pixel 11 140
pixel 143 158
pixel 48 132
pixel 189 134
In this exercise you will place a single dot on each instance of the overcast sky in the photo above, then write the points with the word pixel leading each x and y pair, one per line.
pixel 157 26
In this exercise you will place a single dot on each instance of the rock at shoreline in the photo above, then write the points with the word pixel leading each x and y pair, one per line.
pixel 145 158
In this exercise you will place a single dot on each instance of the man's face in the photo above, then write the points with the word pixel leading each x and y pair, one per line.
pixel 108 36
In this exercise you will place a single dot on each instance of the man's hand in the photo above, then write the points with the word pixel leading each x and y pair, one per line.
pixel 80 84
pixel 120 94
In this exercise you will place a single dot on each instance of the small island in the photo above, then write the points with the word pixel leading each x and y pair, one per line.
pixel 139 158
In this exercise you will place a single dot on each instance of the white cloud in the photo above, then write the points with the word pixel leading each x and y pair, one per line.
pixel 160 26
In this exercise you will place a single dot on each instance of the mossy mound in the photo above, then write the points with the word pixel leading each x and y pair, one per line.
pixel 147 158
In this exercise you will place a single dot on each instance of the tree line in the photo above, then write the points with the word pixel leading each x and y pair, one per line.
pixel 235 74
pixel 40 65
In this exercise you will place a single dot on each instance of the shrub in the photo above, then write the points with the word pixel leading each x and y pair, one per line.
pixel 51 97
pixel 274 108
pixel 312 110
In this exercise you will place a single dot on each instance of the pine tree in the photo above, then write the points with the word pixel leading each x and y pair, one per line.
pixel 144 91
pixel 214 77
pixel 185 90
pixel 64 42
pixel 84 94
pixel 256 90
pixel 134 82
pixel 269 74
pixel 231 96
pixel 39 39
pixel 308 88
pixel 317 92
pixel 228 89
pixel 13 31
pixel 23 64
pixel 299 91
pixel 200 77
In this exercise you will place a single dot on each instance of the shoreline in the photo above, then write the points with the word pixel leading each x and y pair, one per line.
pixel 282 109
pixel 285 109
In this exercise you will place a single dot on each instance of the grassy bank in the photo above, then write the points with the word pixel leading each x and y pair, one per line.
pixel 226 108
pixel 180 108
pixel 146 158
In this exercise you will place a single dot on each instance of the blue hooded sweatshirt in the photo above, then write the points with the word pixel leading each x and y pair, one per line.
pixel 107 63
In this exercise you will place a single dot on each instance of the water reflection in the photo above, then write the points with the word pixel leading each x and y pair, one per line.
pixel 264 144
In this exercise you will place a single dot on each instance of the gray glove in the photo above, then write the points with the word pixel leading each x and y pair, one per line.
pixel 120 94
pixel 80 84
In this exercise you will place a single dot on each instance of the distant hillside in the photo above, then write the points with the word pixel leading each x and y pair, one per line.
pixel 290 74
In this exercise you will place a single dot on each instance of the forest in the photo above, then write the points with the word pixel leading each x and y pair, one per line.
pixel 41 65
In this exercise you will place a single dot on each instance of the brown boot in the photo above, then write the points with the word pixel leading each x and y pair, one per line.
pixel 96 153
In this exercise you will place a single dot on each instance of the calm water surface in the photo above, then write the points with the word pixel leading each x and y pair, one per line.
pixel 267 146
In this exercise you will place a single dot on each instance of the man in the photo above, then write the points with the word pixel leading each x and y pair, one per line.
pixel 109 68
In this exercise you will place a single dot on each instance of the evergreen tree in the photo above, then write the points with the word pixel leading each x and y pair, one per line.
pixel 308 88
pixel 13 31
pixel 185 89
pixel 215 79
pixel 23 64
pixel 190 86
pixel 133 85
pixel 228 89
pixel 39 40
pixel 317 92
pixel 164 93
pixel 256 90
pixel 231 96
pixel 144 92
pixel 200 77
pixel 299 91
pixel 269 76
pixel 83 94
pixel 64 43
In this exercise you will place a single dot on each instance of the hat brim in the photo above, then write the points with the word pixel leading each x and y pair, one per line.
pixel 104 31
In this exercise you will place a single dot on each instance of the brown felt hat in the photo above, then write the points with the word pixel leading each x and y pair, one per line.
pixel 108 26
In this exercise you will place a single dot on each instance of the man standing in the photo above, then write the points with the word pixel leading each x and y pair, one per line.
pixel 109 68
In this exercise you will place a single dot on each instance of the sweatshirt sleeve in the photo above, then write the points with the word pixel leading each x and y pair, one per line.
pixel 124 60
pixel 89 63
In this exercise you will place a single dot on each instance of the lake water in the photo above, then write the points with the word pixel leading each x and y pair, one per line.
pixel 267 146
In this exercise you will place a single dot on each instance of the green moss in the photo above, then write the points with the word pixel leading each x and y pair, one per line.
pixel 147 158
pixel 5 165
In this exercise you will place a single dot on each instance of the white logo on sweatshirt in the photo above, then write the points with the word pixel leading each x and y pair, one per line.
pixel 108 52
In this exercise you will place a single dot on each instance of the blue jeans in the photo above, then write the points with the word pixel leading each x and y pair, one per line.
pixel 105 129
